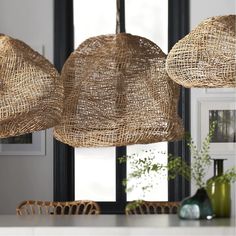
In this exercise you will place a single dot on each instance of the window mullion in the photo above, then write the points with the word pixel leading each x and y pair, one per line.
pixel 121 171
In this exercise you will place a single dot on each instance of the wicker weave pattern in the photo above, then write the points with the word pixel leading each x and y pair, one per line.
pixel 144 207
pixel 117 92
pixel 206 57
pixel 58 208
pixel 31 92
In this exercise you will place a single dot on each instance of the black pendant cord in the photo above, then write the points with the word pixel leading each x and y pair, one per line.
pixel 120 16
pixel 121 197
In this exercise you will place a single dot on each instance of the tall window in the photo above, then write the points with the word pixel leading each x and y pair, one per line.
pixel 95 168
pixel 95 173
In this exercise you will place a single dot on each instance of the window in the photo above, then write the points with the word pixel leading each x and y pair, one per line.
pixel 95 174
pixel 95 168
pixel 163 22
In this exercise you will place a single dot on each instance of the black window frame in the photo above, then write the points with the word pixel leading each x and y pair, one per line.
pixel 63 161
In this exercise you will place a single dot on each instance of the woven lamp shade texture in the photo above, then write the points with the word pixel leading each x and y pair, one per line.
pixel 117 92
pixel 206 57
pixel 31 92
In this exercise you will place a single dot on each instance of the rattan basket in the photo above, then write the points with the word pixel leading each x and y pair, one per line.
pixel 31 92
pixel 206 57
pixel 117 92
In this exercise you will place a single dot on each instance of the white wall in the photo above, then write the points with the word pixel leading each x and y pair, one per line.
pixel 27 177
pixel 200 10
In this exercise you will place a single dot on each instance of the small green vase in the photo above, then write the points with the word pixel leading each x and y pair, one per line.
pixel 219 192
pixel 196 207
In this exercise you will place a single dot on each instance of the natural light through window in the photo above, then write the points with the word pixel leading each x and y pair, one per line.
pixel 95 174
pixel 95 168
pixel 92 18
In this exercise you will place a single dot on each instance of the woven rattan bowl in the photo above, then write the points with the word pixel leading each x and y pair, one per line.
pixel 117 92
pixel 31 92
pixel 206 57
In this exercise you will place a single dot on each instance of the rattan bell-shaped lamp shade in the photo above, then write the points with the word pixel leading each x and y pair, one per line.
pixel 31 92
pixel 206 57
pixel 117 92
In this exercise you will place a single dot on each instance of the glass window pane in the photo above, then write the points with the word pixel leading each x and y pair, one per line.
pixel 148 19
pixel 94 167
pixel 95 174
pixel 92 18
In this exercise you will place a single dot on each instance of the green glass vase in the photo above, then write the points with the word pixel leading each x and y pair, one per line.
pixel 196 207
pixel 219 191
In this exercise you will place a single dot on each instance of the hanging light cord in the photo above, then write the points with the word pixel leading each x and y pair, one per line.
pixel 120 16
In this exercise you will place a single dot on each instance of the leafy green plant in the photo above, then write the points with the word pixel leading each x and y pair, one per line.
pixel 144 166
pixel 201 159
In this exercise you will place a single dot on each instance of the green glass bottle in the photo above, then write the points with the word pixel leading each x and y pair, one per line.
pixel 219 191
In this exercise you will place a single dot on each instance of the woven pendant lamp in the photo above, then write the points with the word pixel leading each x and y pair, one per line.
pixel 206 57
pixel 31 92
pixel 117 92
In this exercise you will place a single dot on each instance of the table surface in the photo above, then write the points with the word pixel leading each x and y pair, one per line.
pixel 114 225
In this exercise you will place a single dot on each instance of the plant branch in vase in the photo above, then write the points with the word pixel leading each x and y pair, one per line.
pixel 146 167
